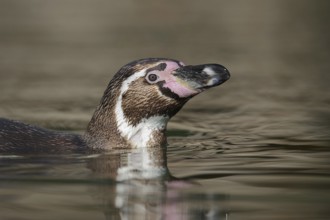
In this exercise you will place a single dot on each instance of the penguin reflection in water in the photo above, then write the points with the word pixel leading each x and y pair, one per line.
pixel 132 116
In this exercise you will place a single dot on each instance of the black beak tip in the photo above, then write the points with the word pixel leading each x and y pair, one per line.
pixel 222 71
pixel 222 74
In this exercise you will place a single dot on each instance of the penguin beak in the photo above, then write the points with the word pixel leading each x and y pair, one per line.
pixel 201 77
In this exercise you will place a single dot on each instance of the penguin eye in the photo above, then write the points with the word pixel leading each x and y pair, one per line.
pixel 152 77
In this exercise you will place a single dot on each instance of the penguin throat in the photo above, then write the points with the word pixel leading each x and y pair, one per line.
pixel 148 131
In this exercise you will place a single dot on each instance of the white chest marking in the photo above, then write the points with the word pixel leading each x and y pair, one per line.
pixel 140 134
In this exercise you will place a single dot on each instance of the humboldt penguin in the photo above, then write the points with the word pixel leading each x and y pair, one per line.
pixel 133 112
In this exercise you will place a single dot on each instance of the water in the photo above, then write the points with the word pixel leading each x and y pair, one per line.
pixel 255 148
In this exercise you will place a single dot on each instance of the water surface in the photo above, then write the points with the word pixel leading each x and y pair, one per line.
pixel 256 147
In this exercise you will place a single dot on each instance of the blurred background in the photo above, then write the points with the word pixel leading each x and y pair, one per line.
pixel 56 57
pixel 258 144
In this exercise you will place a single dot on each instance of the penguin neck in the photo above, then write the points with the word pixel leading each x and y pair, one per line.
pixel 110 128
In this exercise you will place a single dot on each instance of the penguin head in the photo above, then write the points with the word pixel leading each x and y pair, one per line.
pixel 144 94
pixel 160 87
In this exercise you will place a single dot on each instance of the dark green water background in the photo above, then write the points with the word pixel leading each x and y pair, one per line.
pixel 258 146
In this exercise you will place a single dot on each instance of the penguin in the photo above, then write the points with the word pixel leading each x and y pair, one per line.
pixel 133 112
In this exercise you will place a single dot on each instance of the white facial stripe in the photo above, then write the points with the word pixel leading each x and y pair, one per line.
pixel 140 134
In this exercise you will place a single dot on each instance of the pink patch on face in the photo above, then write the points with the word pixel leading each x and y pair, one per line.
pixel 180 90
pixel 170 66
pixel 171 81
